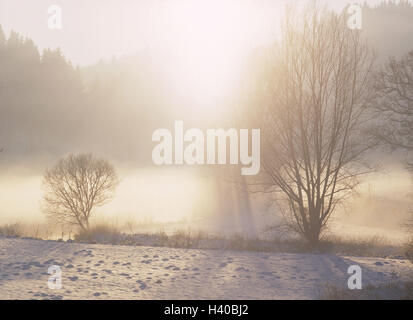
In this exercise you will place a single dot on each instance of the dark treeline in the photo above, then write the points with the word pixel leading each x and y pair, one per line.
pixel 34 96
pixel 48 107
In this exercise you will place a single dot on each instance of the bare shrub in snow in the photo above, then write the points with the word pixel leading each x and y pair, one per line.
pixel 75 186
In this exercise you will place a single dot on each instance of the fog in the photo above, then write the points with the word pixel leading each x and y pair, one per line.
pixel 151 200
pixel 155 70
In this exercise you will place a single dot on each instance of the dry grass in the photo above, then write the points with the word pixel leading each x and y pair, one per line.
pixel 11 230
pixel 41 231
pixel 366 247
pixel 186 238
pixel 101 233
pixel 107 233
pixel 408 249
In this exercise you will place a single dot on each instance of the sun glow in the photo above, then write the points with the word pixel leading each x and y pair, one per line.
pixel 212 41
pixel 209 42
pixel 202 45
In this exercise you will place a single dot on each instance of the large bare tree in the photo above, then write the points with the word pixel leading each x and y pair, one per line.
pixel 75 186
pixel 316 98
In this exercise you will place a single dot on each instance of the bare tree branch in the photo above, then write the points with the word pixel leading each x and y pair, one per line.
pixel 315 103
pixel 75 186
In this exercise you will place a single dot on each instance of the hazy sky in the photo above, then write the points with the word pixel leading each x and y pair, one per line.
pixel 94 29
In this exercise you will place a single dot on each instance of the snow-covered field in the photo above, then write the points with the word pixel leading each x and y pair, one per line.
pixel 133 272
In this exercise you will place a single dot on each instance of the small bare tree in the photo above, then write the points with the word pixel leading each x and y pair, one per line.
pixel 76 185
pixel 315 101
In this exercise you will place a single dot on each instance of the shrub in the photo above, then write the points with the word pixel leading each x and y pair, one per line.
pixel 101 233
pixel 11 230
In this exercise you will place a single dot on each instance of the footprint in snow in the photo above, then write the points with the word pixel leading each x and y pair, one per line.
pixel 36 264
pixel 74 278
pixel 242 269
pixel 222 265
pixel 378 263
